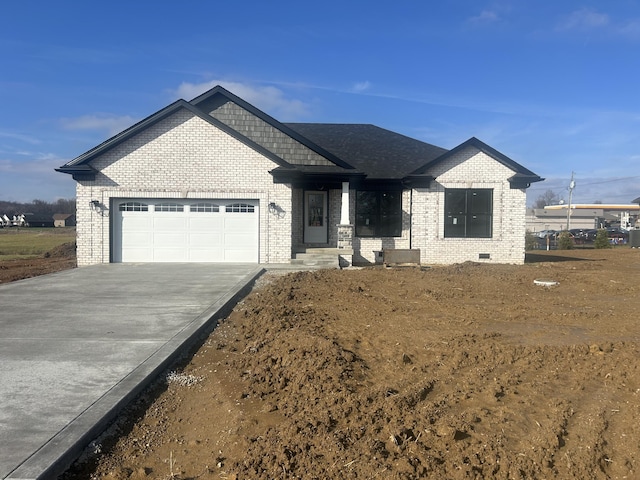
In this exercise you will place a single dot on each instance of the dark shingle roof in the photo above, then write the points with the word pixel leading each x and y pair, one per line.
pixel 357 150
pixel 373 150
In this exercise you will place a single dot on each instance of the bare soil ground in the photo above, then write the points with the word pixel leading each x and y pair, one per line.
pixel 62 257
pixel 467 371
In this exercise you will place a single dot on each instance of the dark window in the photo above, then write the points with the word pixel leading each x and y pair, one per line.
pixel 204 207
pixel 379 213
pixel 169 207
pixel 240 208
pixel 133 207
pixel 468 212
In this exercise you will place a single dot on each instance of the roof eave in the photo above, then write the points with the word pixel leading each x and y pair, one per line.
pixel 79 172
pixel 520 171
pixel 128 133
pixel 417 181
pixel 519 180
pixel 157 117
pixel 299 179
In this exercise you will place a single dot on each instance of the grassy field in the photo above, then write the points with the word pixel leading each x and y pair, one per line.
pixel 32 242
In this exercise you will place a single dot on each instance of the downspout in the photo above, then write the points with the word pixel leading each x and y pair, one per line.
pixel 410 217
pixel 91 211
pixel 106 214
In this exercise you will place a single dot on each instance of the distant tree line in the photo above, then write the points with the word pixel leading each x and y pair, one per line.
pixel 552 198
pixel 38 207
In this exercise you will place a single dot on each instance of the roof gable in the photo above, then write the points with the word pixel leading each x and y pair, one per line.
pixel 522 177
pixel 79 167
pixel 212 102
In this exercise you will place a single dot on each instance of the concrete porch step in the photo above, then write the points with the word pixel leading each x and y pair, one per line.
pixel 330 261
pixel 327 251
pixel 320 257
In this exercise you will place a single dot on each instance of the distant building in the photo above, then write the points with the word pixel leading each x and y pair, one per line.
pixel 39 220
pixel 64 220
pixel 585 216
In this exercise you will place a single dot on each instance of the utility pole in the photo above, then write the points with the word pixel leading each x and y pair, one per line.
pixel 572 185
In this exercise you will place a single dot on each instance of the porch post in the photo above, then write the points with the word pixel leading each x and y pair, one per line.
pixel 345 229
pixel 344 211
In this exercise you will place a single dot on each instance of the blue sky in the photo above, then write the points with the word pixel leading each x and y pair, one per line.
pixel 553 85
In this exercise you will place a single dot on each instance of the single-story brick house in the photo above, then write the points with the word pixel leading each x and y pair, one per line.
pixel 217 180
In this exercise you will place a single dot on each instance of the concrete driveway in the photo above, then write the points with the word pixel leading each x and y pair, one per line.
pixel 78 345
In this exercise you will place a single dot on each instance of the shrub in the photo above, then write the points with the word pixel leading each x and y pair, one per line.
pixel 565 242
pixel 602 239
pixel 530 241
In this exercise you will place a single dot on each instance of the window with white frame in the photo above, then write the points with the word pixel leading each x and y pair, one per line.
pixel 133 207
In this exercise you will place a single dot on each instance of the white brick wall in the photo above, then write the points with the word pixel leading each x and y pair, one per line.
pixel 424 208
pixel 182 157
pixel 185 157
pixel 471 168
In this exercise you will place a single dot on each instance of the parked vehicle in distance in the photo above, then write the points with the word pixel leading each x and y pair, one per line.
pixel 617 235
pixel 590 235
pixel 547 233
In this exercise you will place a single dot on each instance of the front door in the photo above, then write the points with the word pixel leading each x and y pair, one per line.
pixel 315 217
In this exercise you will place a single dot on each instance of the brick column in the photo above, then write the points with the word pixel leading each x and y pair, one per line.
pixel 345 237
pixel 345 245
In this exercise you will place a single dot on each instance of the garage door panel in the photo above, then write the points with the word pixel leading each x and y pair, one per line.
pixel 208 255
pixel 238 240
pixel 137 239
pixel 169 224
pixel 240 256
pixel 136 224
pixel 204 223
pixel 186 236
pixel 169 254
pixel 137 255
pixel 206 240
pixel 169 239
pixel 240 222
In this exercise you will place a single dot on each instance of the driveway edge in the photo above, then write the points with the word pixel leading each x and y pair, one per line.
pixel 59 453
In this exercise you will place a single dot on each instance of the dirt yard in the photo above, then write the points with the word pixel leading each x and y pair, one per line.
pixel 62 257
pixel 462 372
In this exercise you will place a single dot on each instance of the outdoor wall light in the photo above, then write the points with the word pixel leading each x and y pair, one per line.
pixel 276 210
pixel 98 207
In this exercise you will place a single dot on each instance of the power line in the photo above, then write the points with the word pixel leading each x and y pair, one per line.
pixel 611 181
pixel 542 187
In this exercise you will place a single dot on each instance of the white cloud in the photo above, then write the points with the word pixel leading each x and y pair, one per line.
pixel 25 179
pixel 486 16
pixel 590 20
pixel 20 137
pixel 362 86
pixel 585 19
pixel 270 99
pixel 101 121
pixel 630 29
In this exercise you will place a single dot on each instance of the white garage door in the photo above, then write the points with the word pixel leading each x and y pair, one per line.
pixel 152 230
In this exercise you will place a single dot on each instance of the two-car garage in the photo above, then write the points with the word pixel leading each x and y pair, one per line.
pixel 172 230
